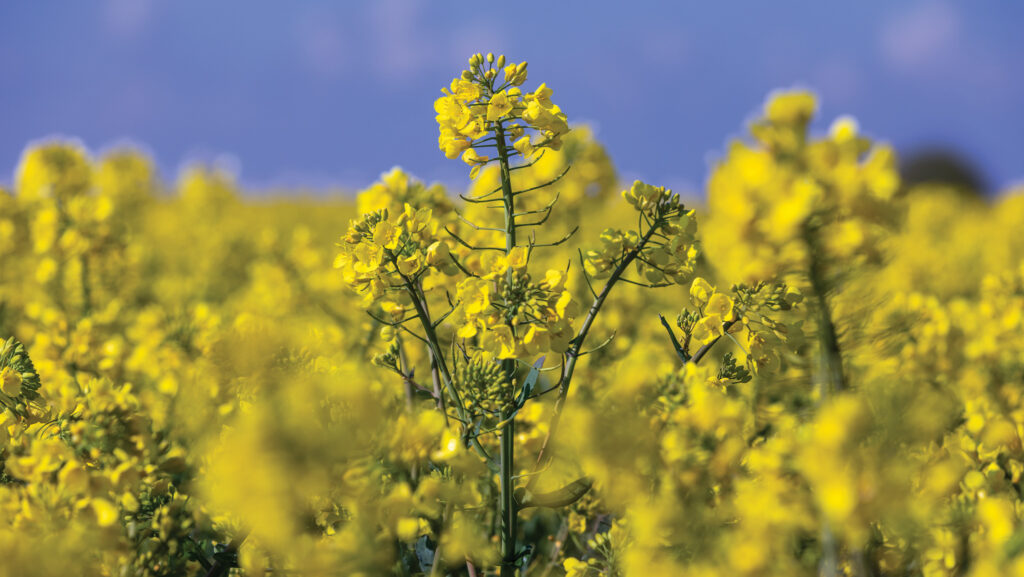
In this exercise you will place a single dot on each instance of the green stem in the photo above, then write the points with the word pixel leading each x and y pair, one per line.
pixel 403 365
pixel 830 359
pixel 506 190
pixel 435 348
pixel 573 354
pixel 507 505
pixel 703 350
pixel 509 514
pixel 830 369
pixel 438 365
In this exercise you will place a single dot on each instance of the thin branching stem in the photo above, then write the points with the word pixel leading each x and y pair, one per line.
pixel 573 354
pixel 546 184
pixel 419 303
pixel 476 226
pixel 704 349
pixel 460 240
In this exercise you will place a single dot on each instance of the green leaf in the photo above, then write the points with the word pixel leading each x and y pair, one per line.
pixel 675 342
pixel 530 383
pixel 563 497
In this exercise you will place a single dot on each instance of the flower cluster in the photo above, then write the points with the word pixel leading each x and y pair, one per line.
pixel 19 381
pixel 486 386
pixel 477 104
pixel 380 253
pixel 513 316
pixel 667 249
pixel 717 309
pixel 770 201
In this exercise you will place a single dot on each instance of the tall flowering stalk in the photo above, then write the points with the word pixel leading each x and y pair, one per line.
pixel 478 112
pixel 505 323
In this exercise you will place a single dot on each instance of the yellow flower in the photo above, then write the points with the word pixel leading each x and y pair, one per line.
pixel 515 74
pixel 565 306
pixel 542 96
pixel 707 329
pixel 468 330
pixel 367 258
pixel 453 147
pixel 494 264
pixel 554 279
pixel 503 343
pixel 721 305
pixel 549 119
pixel 475 128
pixel 575 568
pixel 386 235
pixel 129 502
pixel 10 382
pixel 791 107
pixel 409 265
pixel 643 196
pixel 524 146
pixel 470 157
pixel 74 478
pixel 395 310
pixel 537 340
pixel 498 107
pixel 465 90
pixel 452 115
pixel 475 295
pixel 844 129
pixel 597 265
pixel 517 257
pixel 438 254
pixel 106 512
pixel 700 292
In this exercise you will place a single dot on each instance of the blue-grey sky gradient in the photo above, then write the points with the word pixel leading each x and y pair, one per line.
pixel 310 93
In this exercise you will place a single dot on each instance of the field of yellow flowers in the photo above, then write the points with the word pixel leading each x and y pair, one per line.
pixel 816 371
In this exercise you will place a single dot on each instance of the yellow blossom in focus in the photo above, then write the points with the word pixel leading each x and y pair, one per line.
pixel 720 304
pixel 708 329
pixel 700 292
pixel 498 106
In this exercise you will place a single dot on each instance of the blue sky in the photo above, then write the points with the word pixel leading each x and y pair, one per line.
pixel 330 93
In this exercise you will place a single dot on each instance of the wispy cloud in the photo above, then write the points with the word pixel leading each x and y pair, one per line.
pixel 127 19
pixel 398 44
pixel 321 42
pixel 922 38
pixel 931 41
